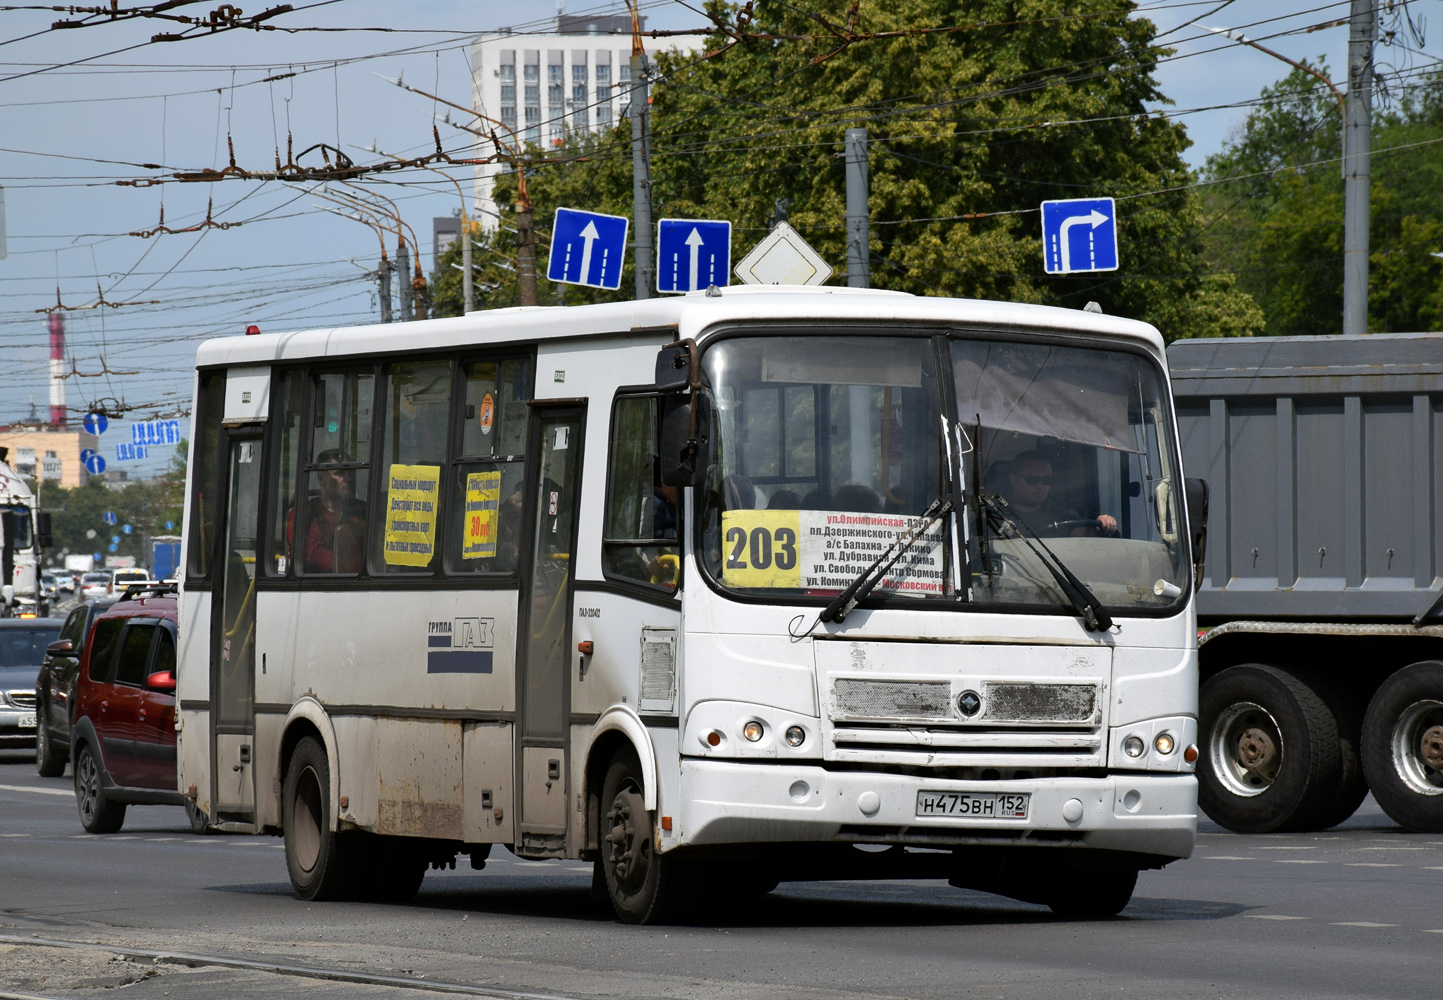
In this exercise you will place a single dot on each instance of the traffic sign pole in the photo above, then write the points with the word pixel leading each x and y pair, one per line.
pixel 640 174
pixel 859 256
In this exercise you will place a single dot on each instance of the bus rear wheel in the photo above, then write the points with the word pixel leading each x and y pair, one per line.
pixel 645 887
pixel 322 863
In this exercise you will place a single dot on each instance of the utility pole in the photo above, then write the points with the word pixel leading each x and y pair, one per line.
pixel 525 239
pixel 385 293
pixel 859 257
pixel 641 173
pixel 403 275
pixel 1357 167
pixel 468 286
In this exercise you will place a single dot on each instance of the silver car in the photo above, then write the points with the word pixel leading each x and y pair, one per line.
pixel 22 648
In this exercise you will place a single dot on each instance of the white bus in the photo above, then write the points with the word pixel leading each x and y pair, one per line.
pixel 734 588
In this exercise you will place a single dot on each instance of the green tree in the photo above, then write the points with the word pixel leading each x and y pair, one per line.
pixel 1276 208
pixel 969 131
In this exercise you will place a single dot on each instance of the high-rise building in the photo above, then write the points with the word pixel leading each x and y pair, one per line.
pixel 544 87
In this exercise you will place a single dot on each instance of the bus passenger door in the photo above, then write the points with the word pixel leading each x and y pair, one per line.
pixel 542 655
pixel 232 673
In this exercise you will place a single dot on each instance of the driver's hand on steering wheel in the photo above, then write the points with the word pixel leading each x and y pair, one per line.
pixel 1107 524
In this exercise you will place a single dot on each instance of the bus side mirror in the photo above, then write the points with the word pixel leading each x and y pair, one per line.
pixel 673 366
pixel 683 457
pixel 42 530
pixel 1196 492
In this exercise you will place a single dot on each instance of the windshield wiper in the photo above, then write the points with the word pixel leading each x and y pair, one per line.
pixel 1083 601
pixel 867 580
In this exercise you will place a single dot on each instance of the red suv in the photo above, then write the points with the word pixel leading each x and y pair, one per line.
pixel 122 741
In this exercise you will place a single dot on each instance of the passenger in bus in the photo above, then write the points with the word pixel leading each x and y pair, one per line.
pixel 335 521
pixel 785 499
pixel 857 499
pixel 1029 494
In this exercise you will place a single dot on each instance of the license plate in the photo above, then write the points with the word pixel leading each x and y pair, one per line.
pixel 984 805
pixel 27 722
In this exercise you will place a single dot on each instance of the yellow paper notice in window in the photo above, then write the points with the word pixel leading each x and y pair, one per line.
pixel 411 500
pixel 759 548
pixel 483 497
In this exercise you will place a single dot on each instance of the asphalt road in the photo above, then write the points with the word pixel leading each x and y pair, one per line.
pixel 1351 912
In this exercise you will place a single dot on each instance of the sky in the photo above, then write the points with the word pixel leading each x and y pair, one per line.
pixel 68 134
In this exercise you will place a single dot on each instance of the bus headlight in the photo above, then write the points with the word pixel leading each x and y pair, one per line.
pixel 796 736
pixel 1164 743
pixel 1133 746
pixel 753 731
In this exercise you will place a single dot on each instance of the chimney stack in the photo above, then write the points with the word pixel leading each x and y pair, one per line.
pixel 57 370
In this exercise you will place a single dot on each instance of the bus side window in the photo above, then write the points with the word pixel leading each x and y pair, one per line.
pixel 487 476
pixel 333 516
pixel 280 560
pixel 639 540
pixel 205 496
pixel 413 450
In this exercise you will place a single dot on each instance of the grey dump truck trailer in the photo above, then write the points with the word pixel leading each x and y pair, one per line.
pixel 1320 610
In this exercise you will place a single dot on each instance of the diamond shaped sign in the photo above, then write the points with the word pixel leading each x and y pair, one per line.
pixel 783 258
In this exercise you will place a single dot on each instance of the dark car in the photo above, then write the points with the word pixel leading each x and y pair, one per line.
pixel 122 740
pixel 22 647
pixel 55 688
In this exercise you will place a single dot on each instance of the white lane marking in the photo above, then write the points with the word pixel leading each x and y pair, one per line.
pixel 579 869
pixel 1296 847
pixel 1368 864
pixel 68 793
pixel 532 864
pixel 1273 916
pixel 1390 848
pixel 1433 868
pixel 1299 861
pixel 14 834
pixel 1437 931
pixel 1359 923
pixel 1227 857
pixel 162 840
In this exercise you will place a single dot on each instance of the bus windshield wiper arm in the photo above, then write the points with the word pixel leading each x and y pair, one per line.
pixel 1083 600
pixel 867 580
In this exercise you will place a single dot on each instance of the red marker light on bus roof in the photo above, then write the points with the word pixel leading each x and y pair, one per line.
pixel 252 330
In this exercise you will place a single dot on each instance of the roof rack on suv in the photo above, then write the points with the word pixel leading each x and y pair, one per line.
pixel 135 591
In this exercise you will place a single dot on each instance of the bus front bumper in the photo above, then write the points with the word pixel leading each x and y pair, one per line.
pixel 729 802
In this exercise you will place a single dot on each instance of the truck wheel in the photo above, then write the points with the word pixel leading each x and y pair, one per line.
pixel 1092 895
pixel 1403 746
pixel 645 887
pixel 1271 758
pixel 322 863
pixel 1352 787
pixel 48 759
pixel 97 813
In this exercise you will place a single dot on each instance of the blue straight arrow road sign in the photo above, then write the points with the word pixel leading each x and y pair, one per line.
pixel 587 248
pixel 1078 235
pixel 692 254
pixel 94 465
pixel 109 517
pixel 95 423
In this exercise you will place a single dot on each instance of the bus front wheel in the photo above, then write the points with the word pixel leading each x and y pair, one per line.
pixel 320 861
pixel 645 887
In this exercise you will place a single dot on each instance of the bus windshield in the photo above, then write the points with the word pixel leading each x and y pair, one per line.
pixel 826 449
pixel 1074 446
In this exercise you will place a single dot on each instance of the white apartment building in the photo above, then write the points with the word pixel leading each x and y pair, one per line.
pixel 544 86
